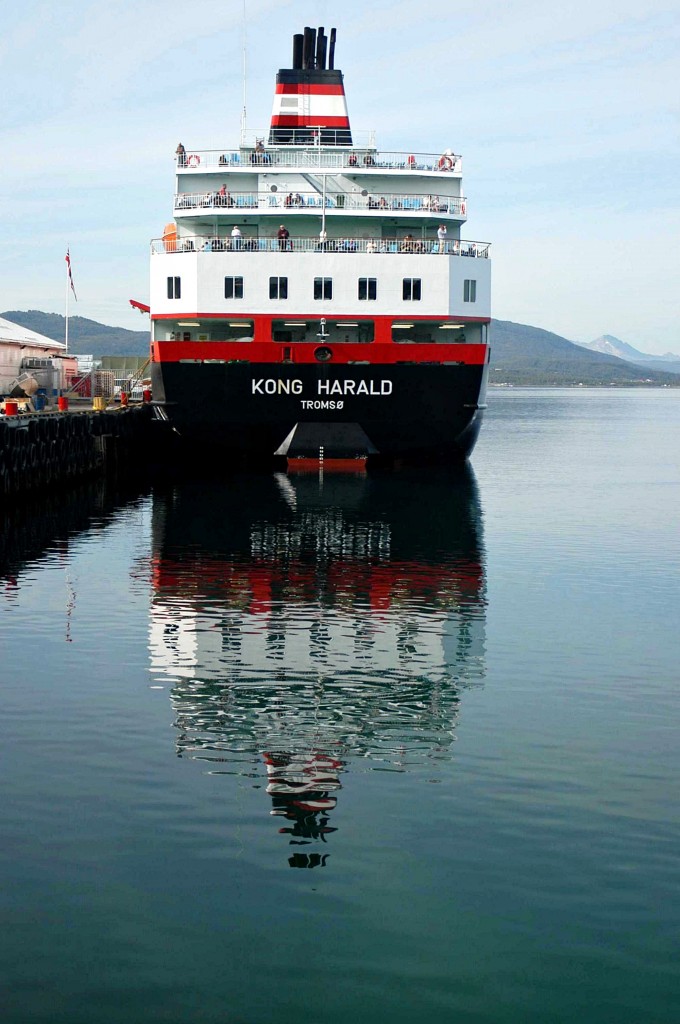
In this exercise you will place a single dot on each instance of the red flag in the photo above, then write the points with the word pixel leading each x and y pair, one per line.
pixel 70 275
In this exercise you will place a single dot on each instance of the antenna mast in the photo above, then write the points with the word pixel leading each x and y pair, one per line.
pixel 245 42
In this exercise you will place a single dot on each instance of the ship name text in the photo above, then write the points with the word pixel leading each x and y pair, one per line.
pixel 277 386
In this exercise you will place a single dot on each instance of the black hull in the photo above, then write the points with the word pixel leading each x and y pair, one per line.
pixel 410 413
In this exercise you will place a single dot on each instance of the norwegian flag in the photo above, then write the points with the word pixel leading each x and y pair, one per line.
pixel 70 275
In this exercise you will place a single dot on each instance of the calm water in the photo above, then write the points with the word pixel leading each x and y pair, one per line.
pixel 356 749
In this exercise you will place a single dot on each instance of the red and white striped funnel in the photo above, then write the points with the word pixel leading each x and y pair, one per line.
pixel 309 103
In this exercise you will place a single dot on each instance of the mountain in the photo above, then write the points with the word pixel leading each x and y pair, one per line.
pixel 521 354
pixel 85 336
pixel 610 345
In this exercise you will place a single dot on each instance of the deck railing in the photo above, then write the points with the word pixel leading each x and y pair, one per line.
pixel 312 158
pixel 456 205
pixel 246 243
pixel 253 138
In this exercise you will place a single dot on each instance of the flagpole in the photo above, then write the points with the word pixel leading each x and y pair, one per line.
pixel 67 291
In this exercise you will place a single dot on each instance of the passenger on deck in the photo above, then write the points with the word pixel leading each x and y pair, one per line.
pixel 441 235
pixel 259 156
pixel 181 155
pixel 236 237
pixel 283 234
pixel 353 160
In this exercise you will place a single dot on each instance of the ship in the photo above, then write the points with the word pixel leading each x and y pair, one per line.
pixel 312 298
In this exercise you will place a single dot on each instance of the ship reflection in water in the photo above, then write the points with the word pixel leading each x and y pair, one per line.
pixel 306 622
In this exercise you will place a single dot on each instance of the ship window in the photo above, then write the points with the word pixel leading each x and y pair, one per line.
pixel 228 329
pixel 233 287
pixel 278 287
pixel 174 288
pixel 430 332
pixel 331 332
pixel 411 290
pixel 323 287
pixel 368 288
pixel 470 291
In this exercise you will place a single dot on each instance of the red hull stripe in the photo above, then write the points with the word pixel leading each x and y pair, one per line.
pixel 385 584
pixel 311 120
pixel 272 352
pixel 297 88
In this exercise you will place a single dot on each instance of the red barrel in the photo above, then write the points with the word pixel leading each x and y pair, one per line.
pixel 11 408
pixel 62 403
pixel 123 398
pixel 146 395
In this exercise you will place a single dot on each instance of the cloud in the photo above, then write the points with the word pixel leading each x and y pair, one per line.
pixel 564 116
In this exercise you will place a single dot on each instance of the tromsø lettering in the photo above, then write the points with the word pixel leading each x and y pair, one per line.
pixel 324 388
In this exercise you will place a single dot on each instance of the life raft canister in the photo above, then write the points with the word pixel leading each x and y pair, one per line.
pixel 193 160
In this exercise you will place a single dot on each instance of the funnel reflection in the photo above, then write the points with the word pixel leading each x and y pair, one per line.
pixel 308 626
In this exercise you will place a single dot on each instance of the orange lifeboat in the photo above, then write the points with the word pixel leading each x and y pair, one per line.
pixel 170 237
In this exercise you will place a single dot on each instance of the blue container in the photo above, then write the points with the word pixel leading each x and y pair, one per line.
pixel 39 402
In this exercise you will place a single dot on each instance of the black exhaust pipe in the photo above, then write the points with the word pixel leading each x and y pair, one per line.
pixel 321 50
pixel 309 48
pixel 331 51
pixel 297 51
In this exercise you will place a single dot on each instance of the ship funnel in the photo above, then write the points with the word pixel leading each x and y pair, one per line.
pixel 309 105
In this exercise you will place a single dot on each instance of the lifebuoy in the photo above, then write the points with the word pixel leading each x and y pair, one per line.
pixel 445 163
pixel 193 160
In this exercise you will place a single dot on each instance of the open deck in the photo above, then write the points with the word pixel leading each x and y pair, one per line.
pixel 275 158
pixel 253 243
pixel 297 202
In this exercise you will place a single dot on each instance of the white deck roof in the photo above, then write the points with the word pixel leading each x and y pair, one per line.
pixel 15 333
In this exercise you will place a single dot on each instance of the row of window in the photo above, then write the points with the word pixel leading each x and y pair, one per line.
pixel 367 288
pixel 308 330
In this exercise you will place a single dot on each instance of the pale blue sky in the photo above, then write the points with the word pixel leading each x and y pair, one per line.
pixel 566 116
